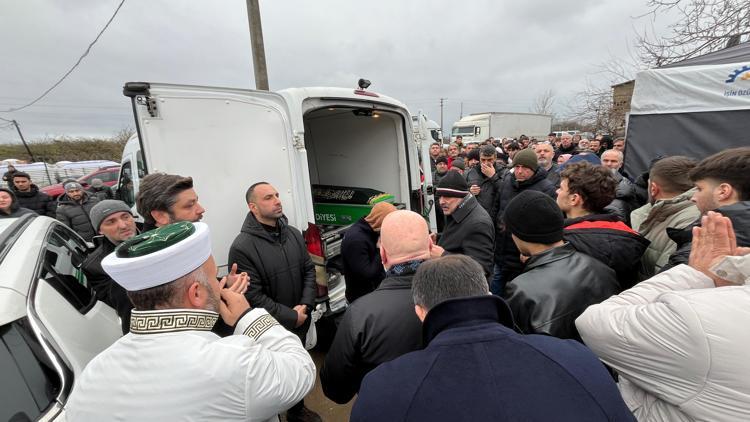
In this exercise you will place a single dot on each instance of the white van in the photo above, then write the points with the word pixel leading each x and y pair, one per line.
pixel 295 139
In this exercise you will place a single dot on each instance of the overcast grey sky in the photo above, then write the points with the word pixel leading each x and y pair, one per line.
pixel 491 55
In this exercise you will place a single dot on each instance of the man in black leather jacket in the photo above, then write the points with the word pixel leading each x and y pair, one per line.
pixel 558 283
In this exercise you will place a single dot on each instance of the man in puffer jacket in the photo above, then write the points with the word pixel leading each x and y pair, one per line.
pixel 584 192
pixel 73 210
pixel 678 340
pixel 29 196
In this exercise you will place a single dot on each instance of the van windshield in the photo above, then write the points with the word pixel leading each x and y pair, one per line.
pixel 463 130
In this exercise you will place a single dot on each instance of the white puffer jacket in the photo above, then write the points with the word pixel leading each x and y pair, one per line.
pixel 680 345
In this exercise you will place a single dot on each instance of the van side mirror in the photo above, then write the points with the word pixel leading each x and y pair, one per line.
pixel 477 130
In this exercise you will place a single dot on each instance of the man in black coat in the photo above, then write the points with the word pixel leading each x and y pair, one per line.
pixel 73 209
pixel 558 283
pixel 484 178
pixel 476 368
pixel 468 227
pixel 380 326
pixel 360 254
pixel 29 196
pixel 115 223
pixel 282 275
pixel 527 175
pixel 585 190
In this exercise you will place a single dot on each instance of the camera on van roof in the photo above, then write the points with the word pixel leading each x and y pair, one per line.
pixel 363 83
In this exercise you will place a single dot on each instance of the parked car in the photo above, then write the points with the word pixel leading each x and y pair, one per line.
pixel 108 176
pixel 51 324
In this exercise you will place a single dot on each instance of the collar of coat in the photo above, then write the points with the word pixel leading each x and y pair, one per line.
pixel 464 208
pixel 550 255
pixel 465 311
pixel 253 227
pixel 172 321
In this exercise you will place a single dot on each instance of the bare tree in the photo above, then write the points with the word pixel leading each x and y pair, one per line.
pixel 703 26
pixel 544 102
pixel 594 108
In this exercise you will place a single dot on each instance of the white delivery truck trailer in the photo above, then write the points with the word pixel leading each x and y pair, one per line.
pixel 317 146
pixel 480 126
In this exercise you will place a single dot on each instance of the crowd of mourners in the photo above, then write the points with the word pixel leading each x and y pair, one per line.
pixel 557 287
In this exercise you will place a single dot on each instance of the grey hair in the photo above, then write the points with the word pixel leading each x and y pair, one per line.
pixel 620 155
pixel 167 296
pixel 448 277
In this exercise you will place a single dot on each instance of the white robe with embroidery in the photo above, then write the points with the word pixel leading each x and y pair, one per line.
pixel 172 368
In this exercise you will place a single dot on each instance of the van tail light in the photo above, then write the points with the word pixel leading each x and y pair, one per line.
pixel 366 93
pixel 313 241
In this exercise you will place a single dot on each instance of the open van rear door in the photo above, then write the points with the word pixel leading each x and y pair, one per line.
pixel 423 140
pixel 226 140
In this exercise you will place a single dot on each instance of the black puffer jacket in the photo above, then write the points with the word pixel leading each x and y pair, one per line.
pixel 739 213
pixel 363 268
pixel 606 238
pixel 626 199
pixel 506 252
pixel 107 290
pixel 15 210
pixel 76 214
pixel 555 288
pixel 489 186
pixel 36 201
pixel 282 275
pixel 377 328
pixel 469 231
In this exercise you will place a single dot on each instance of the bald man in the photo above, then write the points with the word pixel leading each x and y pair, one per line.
pixel 381 325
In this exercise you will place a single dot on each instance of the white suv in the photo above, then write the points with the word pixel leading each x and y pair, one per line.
pixel 51 324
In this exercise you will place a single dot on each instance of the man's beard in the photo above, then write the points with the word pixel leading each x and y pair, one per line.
pixel 212 304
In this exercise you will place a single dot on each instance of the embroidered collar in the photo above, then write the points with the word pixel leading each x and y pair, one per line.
pixel 172 321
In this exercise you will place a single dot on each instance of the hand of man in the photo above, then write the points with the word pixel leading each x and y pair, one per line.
pixel 436 251
pixel 233 276
pixel 488 170
pixel 474 189
pixel 231 306
pixel 712 242
pixel 433 237
pixel 301 314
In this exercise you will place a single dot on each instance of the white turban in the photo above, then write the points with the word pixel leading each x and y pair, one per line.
pixel 162 266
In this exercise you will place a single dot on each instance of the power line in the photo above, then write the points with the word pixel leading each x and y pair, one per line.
pixel 85 53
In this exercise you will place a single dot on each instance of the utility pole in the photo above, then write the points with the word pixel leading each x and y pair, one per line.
pixel 18 129
pixel 442 101
pixel 256 42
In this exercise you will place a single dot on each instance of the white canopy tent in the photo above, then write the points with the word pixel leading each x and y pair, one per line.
pixel 694 108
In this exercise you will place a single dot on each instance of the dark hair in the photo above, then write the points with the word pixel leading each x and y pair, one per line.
pixel 21 174
pixel 488 151
pixel 448 277
pixel 251 189
pixel 158 192
pixel 440 159
pixel 435 143
pixel 595 184
pixel 671 173
pixel 730 166
pixel 473 155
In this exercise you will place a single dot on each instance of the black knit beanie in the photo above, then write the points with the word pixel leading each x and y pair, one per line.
pixel 534 217
pixel 452 185
pixel 526 158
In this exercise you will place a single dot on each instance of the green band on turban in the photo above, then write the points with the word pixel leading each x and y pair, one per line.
pixel 155 240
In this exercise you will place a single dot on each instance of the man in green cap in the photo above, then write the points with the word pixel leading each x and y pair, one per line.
pixel 171 367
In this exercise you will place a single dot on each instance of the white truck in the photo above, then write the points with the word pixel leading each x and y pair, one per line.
pixel 480 126
pixel 296 139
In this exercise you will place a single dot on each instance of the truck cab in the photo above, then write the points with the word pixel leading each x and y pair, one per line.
pixel 303 141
